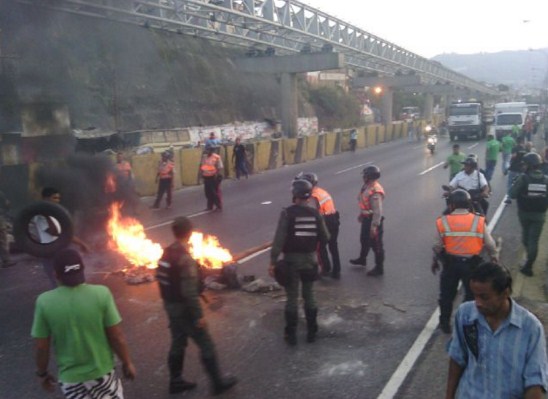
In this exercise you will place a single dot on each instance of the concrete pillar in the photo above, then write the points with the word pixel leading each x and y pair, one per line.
pixel 289 104
pixel 428 106
pixel 387 105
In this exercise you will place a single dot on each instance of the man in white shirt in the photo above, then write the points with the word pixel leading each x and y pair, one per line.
pixel 473 181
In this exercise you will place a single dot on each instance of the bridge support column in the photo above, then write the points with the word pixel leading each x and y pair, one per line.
pixel 428 106
pixel 387 105
pixel 289 106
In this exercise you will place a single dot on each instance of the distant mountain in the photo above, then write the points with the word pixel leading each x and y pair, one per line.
pixel 524 68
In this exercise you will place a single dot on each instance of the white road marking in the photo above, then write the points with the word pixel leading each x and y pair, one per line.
pixel 472 146
pixel 431 168
pixel 398 377
pixel 353 167
pixel 171 221
pixel 266 202
pixel 253 255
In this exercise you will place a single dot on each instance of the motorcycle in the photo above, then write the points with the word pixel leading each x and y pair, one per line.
pixel 432 138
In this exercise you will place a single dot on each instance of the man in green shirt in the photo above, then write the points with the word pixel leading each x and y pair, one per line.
pixel 491 154
pixel 454 161
pixel 83 324
pixel 508 143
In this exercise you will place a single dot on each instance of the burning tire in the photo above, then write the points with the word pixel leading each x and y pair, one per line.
pixel 26 226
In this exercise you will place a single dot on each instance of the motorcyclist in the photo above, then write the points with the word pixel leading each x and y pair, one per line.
pixel 473 181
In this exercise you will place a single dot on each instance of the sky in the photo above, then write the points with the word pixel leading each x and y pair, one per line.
pixel 432 27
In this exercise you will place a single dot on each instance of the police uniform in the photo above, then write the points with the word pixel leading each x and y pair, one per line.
pixel 326 207
pixel 530 189
pixel 371 215
pixel 460 238
pixel 165 181
pixel 210 168
pixel 178 278
pixel 300 230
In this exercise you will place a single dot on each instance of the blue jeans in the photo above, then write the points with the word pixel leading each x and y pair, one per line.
pixel 490 168
pixel 505 161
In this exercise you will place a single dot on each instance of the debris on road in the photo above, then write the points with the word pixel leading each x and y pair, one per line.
pixel 261 286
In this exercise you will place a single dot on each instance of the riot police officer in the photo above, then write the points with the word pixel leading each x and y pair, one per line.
pixel 530 189
pixel 179 283
pixel 300 230
pixel 371 218
pixel 461 236
pixel 323 202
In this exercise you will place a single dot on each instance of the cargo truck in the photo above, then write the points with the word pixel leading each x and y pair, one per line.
pixel 465 120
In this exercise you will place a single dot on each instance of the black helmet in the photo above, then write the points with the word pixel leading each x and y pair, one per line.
pixel 371 172
pixel 460 198
pixel 532 160
pixel 301 188
pixel 471 160
pixel 310 177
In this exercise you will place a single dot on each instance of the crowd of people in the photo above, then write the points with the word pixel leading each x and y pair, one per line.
pixel 82 324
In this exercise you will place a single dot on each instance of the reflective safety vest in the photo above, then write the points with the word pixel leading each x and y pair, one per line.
pixel 462 235
pixel 209 165
pixel 325 202
pixel 302 229
pixel 364 199
pixel 165 170
pixel 124 168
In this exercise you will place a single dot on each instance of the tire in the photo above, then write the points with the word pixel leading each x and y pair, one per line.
pixel 26 243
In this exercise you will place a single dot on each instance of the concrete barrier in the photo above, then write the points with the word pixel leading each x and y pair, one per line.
pixel 311 147
pixel 330 141
pixel 230 166
pixel 275 159
pixel 144 169
pixel 371 135
pixel 289 148
pixel 190 169
pixel 381 134
pixel 362 137
pixel 320 151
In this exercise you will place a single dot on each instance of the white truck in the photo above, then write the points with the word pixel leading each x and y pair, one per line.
pixel 465 120
pixel 508 115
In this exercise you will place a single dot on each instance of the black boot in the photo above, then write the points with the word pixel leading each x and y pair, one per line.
pixel 291 319
pixel 219 383
pixel 311 324
pixel 176 382
pixel 358 261
pixel 527 269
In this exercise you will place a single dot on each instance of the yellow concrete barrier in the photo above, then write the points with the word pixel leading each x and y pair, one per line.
pixel 311 147
pixel 330 140
pixel 262 155
pixel 190 166
pixel 345 140
pixel 371 135
pixel 230 166
pixel 362 137
pixel 144 170
pixel 289 147
pixel 381 134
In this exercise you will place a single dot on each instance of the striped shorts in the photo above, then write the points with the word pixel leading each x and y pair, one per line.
pixel 108 386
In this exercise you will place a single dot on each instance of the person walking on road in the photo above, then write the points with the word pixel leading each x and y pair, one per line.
pixel 370 201
pixel 507 144
pixel 353 140
pixel 454 161
pixel 516 166
pixel 211 168
pixel 4 243
pixel 239 157
pixel 531 191
pixel 164 178
pixel 82 324
pixel 460 238
pixel 179 283
pixel 324 203
pixel 492 150
pixel 300 229
pixel 498 348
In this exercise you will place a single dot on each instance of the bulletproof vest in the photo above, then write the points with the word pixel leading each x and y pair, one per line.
pixel 168 273
pixel 534 198
pixel 302 232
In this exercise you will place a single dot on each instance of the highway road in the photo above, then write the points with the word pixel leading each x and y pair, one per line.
pixel 367 324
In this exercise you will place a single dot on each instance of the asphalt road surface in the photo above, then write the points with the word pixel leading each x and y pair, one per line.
pixel 367 324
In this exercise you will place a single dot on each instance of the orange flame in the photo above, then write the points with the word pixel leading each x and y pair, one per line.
pixel 207 251
pixel 129 239
pixel 110 184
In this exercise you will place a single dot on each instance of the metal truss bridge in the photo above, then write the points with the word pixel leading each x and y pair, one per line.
pixel 268 27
